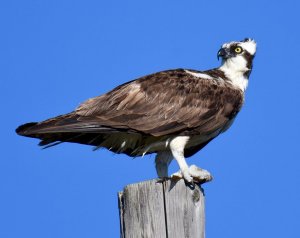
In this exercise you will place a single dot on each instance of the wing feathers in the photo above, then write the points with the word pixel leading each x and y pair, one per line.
pixel 162 104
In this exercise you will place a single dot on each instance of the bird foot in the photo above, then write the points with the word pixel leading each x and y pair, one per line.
pixel 193 174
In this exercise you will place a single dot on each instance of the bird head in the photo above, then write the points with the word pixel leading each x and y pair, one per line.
pixel 237 49
pixel 237 56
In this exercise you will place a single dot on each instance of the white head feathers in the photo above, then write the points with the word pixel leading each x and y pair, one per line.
pixel 247 44
pixel 237 61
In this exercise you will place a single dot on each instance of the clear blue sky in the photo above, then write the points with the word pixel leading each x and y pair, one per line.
pixel 55 54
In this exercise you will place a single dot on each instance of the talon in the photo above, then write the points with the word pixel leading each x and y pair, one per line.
pixel 177 175
pixel 193 174
pixel 187 176
pixel 199 175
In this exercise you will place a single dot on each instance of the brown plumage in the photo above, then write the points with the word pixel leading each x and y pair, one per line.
pixel 147 115
pixel 186 105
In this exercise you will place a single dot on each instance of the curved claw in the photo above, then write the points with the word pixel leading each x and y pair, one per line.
pixel 200 175
pixel 193 174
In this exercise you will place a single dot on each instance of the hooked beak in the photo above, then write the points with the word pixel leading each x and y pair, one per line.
pixel 223 53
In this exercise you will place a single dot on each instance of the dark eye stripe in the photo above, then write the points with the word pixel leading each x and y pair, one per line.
pixel 233 48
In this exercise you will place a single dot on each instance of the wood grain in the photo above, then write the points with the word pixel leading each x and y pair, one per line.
pixel 154 209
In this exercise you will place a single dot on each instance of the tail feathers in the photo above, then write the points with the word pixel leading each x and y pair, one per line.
pixel 52 139
pixel 56 124
pixel 113 140
pixel 71 128
pixel 51 134
pixel 56 139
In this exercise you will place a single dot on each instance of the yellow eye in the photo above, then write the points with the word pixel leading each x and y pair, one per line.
pixel 238 50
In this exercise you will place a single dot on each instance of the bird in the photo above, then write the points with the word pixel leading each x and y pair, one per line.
pixel 172 113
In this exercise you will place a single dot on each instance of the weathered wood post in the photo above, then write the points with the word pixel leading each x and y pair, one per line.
pixel 156 209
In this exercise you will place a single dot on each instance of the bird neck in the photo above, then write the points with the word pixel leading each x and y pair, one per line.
pixel 236 71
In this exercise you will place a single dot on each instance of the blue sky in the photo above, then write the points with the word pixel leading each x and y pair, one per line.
pixel 56 54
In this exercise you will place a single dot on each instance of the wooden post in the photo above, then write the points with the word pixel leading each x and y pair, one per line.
pixel 168 209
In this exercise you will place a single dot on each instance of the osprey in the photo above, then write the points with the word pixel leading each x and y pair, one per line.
pixel 173 113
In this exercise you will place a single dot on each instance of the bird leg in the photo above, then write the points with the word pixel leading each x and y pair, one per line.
pixel 189 174
pixel 177 148
pixel 162 162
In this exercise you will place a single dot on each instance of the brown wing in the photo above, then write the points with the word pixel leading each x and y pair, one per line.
pixel 168 102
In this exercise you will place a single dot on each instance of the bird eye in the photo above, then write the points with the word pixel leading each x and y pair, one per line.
pixel 238 50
